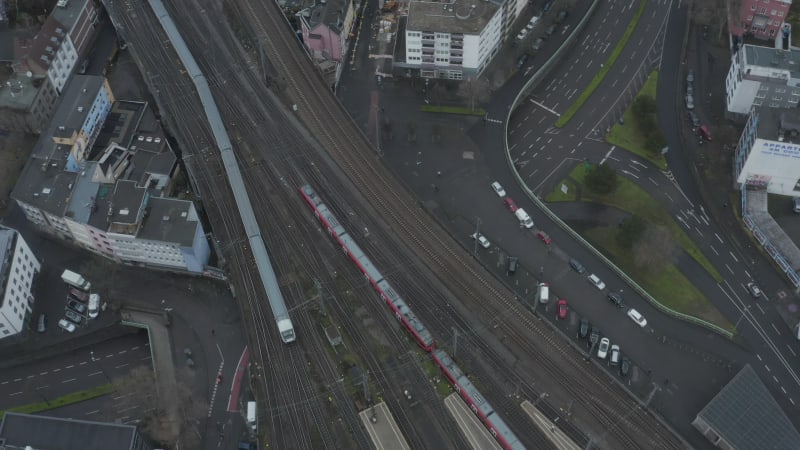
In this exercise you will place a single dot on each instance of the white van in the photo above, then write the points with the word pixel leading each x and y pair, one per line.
pixel 543 293
pixel 251 415
pixel 524 218
pixel 94 305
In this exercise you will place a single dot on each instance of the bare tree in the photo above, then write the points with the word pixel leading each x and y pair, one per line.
pixel 439 93
pixel 655 249
pixel 474 91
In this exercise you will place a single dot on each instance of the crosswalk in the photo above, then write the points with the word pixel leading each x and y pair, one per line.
pixel 492 120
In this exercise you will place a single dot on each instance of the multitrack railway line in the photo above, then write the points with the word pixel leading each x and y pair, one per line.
pixel 356 158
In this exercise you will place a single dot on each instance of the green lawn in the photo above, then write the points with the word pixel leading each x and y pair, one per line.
pixel 669 286
pixel 559 196
pixel 75 397
pixel 453 110
pixel 606 67
pixel 627 135
pixel 635 200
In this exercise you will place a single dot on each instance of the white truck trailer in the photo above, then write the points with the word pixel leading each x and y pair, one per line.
pixel 76 280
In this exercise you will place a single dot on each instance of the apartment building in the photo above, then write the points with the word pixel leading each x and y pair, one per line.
pixel 18 268
pixel 452 40
pixel 762 18
pixel 762 76
pixel 100 177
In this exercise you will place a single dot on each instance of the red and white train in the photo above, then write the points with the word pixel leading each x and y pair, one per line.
pixel 458 379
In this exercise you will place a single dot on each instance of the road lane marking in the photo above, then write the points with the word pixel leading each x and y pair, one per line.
pixel 734 256
pixel 17 379
pixel 70 380
pixel 729 269
pixel 767 367
pixel 748 274
pixel 120 366
pixel 784 390
pixel 714 250
pixel 110 356
pixel 70 366
pixel 43 387
pixel 43 373
pixel 759 357
pixel 30 376
pixel 790 349
pixel 719 238
pixel 82 363
pixel 15 393
pixel 56 370
pixel 95 373
pixel 92 412
pixel 775 378
pixel 4 382
pixel 759 308
pixel 775 328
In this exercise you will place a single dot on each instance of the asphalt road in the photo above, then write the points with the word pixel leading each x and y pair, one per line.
pixel 45 380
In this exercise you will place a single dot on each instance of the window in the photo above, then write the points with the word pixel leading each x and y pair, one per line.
pixel 780 13
pixel 762 10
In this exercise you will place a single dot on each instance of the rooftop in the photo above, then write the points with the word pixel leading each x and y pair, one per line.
pixel 458 16
pixel 37 53
pixel 125 208
pixel 776 124
pixel 170 220
pixel 76 99
pixel 746 416
pixel 19 92
pixel 330 13
pixel 755 55
pixel 67 12
pixel 43 432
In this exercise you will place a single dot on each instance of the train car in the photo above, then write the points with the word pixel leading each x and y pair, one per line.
pixel 362 261
pixel 404 313
pixel 476 402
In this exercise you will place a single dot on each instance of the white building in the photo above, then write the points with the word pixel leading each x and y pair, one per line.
pixel 768 153
pixel 452 40
pixel 762 76
pixel 18 267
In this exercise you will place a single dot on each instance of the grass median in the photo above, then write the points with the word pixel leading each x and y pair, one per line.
pixel 601 75
pixel 69 399
pixel 627 135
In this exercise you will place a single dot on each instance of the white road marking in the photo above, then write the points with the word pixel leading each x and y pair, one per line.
pixel 69 381
pixel 93 412
pixel 95 373
pixel 734 257
pixel 719 238
pixel 790 349
pixel 775 328
pixel 70 366
pixel 120 366
pixel 714 250
pixel 15 393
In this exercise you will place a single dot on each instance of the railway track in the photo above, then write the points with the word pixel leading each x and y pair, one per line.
pixel 331 125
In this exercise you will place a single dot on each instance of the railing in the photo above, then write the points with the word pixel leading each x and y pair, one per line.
pixel 529 85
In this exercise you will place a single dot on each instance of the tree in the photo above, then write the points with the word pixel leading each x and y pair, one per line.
pixel 439 93
pixel 655 249
pixel 644 106
pixel 601 179
pixel 630 231
pixel 102 273
pixel 474 91
pixel 655 141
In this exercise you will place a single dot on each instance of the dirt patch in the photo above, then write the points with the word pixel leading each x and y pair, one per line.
pixel 15 148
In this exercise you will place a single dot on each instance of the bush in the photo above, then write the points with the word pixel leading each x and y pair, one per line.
pixel 601 179
pixel 644 106
pixel 655 141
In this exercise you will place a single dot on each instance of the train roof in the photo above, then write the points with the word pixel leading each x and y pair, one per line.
pixel 405 310
pixel 327 216
pixel 311 194
pixel 358 255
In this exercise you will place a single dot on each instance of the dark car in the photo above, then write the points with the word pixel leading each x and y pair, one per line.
pixel 512 265
pixel 548 4
pixel 537 44
pixel 583 329
pixel 693 119
pixel 562 309
pixel 76 306
pixel 616 299
pixel 754 289
pixel 522 60
pixel 73 316
pixel 562 16
pixel 594 336
pixel 79 295
pixel 577 266
pixel 625 366
pixel 551 30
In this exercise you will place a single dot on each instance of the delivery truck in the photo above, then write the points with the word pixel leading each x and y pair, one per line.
pixel 76 280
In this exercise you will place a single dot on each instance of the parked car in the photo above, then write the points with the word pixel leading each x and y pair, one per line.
pixel 562 308
pixel 496 186
pixel 532 23
pixel 615 298
pixel 523 33
pixel 637 317
pixel 76 306
pixel 562 16
pixel 66 325
pixel 614 360
pixel 583 329
pixel 79 295
pixel 689 101
pixel 42 326
pixel 693 119
pixel 594 336
pixel 577 266
pixel 551 30
pixel 754 289
pixel 625 367
pixel 537 44
pixel 690 76
pixel 690 88
pixel 523 58
pixel 544 237
pixel 509 202
pixel 602 349
pixel 595 280
pixel 513 261
pixel 73 316
pixel 548 4
pixel 481 240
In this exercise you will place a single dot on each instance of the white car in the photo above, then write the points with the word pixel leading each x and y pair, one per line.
pixel 66 325
pixel 532 24
pixel 595 280
pixel 498 189
pixel 522 34
pixel 602 349
pixel 637 317
pixel 481 240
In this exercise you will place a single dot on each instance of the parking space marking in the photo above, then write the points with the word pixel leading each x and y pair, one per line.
pixel 69 381
pixel 17 379
pixel 15 393
pixel 120 366
pixel 70 366
pixel 791 350
pixel 95 373
pixel 775 328
pixel 767 367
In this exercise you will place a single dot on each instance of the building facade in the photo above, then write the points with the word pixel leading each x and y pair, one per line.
pixel 453 40
pixel 18 268
pixel 763 18
pixel 26 103
pixel 768 153
pixel 762 76
pixel 326 28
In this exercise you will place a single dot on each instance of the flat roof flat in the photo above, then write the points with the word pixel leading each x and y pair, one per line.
pixel 459 16
pixel 43 432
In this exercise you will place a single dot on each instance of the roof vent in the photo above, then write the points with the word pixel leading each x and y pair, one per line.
pixel 80 109
pixel 35 194
pixel 141 138
pixel 61 128
pixel 158 140
pixel 62 3
pixel 149 138
pixel 83 91
pixel 184 214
